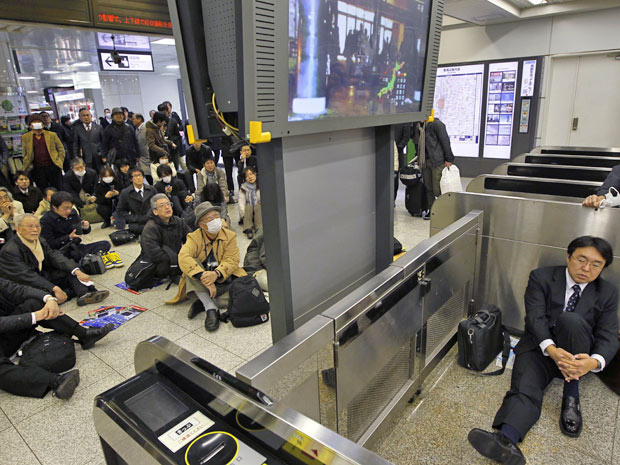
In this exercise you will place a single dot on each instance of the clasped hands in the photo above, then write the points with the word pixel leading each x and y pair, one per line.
pixel 572 366
pixel 50 310
pixel 208 279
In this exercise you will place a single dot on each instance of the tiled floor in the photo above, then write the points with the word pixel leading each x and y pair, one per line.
pixel 49 431
pixel 433 430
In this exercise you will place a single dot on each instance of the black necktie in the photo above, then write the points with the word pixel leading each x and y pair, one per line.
pixel 141 195
pixel 573 299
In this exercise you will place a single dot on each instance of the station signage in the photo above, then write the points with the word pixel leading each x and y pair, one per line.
pixel 130 61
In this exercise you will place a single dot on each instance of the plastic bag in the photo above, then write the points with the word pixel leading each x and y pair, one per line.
pixel 451 180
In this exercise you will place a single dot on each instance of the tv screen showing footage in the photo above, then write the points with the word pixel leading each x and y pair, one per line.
pixel 356 57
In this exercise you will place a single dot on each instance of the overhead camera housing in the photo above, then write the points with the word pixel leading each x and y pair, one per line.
pixel 116 57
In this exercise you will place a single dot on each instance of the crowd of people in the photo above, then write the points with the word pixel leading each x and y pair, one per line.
pixel 133 174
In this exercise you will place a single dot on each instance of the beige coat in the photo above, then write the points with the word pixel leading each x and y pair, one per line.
pixel 54 146
pixel 196 247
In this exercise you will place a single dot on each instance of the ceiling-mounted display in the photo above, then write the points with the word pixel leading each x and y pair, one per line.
pixel 500 109
pixel 458 104
pixel 123 42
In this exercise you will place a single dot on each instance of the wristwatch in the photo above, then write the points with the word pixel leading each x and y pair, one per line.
pixel 217 272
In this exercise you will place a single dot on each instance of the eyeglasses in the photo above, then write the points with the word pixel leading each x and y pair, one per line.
pixel 584 261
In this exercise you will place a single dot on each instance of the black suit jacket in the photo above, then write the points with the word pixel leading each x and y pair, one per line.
pixel 134 208
pixel 544 303
pixel 73 186
pixel 11 295
pixel 87 144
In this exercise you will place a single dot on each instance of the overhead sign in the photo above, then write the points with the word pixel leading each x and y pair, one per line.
pixel 124 42
pixel 128 61
pixel 66 96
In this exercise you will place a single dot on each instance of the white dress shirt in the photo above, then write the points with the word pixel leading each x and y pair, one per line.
pixel 569 292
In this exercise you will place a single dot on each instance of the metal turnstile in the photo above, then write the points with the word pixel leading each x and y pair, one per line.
pixel 535 170
pixel 573 160
pixel 587 151
pixel 539 188
pixel 180 409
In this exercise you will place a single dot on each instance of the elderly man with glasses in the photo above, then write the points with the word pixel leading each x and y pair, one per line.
pixel 209 260
pixel 27 259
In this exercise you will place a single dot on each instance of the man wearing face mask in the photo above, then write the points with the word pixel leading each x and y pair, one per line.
pixel 106 119
pixel 43 153
pixel 173 188
pixel 209 260
pixel 80 182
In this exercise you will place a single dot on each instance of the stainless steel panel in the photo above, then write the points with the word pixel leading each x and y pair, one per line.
pixel 277 418
pixel 566 159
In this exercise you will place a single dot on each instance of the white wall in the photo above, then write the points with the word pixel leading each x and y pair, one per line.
pixel 580 33
pixel 155 89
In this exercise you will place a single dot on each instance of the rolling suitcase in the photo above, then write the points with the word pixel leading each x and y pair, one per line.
pixel 415 199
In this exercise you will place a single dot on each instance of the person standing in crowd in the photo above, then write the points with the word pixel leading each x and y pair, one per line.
pixel 43 153
pixel 50 125
pixel 230 158
pixel 134 201
pixel 434 154
pixel 22 309
pixel 106 193
pixel 151 113
pixel 157 145
pixel 173 187
pixel 173 134
pixel 80 182
pixel 87 140
pixel 9 209
pixel 45 204
pixel 4 164
pixel 209 260
pixel 162 238
pixel 173 114
pixel 571 329
pixel 63 228
pixel 28 195
pixel 145 160
pixel 67 135
pixel 195 159
pixel 27 259
pixel 212 174
pixel 119 141
pixel 249 203
pixel 106 119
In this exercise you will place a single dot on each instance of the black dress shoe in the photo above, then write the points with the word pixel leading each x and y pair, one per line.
pixel 64 385
pixel 93 335
pixel 496 446
pixel 570 418
pixel 92 297
pixel 213 319
pixel 195 309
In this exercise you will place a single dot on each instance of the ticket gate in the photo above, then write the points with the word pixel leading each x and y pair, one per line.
pixel 535 170
pixel 587 151
pixel 180 409
pixel 539 188
pixel 574 160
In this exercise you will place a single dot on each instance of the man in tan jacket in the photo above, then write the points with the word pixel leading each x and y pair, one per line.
pixel 43 153
pixel 209 260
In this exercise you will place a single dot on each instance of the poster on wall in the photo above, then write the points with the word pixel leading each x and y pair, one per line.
pixel 458 104
pixel 528 77
pixel 500 109
pixel 12 105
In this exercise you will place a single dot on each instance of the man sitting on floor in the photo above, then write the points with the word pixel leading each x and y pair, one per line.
pixel 27 259
pixel 162 238
pixel 134 203
pixel 80 182
pixel 209 260
pixel 571 329
pixel 24 192
pixel 62 228
pixel 22 308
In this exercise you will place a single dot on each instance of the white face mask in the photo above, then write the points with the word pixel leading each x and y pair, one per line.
pixel 37 125
pixel 214 226
pixel 163 161
pixel 167 179
pixel 80 173
pixel 108 179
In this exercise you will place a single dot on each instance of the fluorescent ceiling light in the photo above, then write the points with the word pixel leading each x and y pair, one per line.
pixel 27 77
pixel 172 66
pixel 537 2
pixel 167 74
pixel 166 41
pixel 32 91
pixel 82 64
pixel 64 85
pixel 50 72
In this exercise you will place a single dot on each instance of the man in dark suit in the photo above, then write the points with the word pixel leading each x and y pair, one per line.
pixel 571 329
pixel 78 179
pixel 87 138
pixel 134 203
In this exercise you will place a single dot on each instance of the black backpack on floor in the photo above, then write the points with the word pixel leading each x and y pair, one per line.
pixel 122 236
pixel 247 305
pixel 140 274
pixel 51 351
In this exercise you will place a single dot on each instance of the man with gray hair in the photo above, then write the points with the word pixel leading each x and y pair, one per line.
pixel 80 182
pixel 162 238
pixel 9 209
pixel 87 138
pixel 27 259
